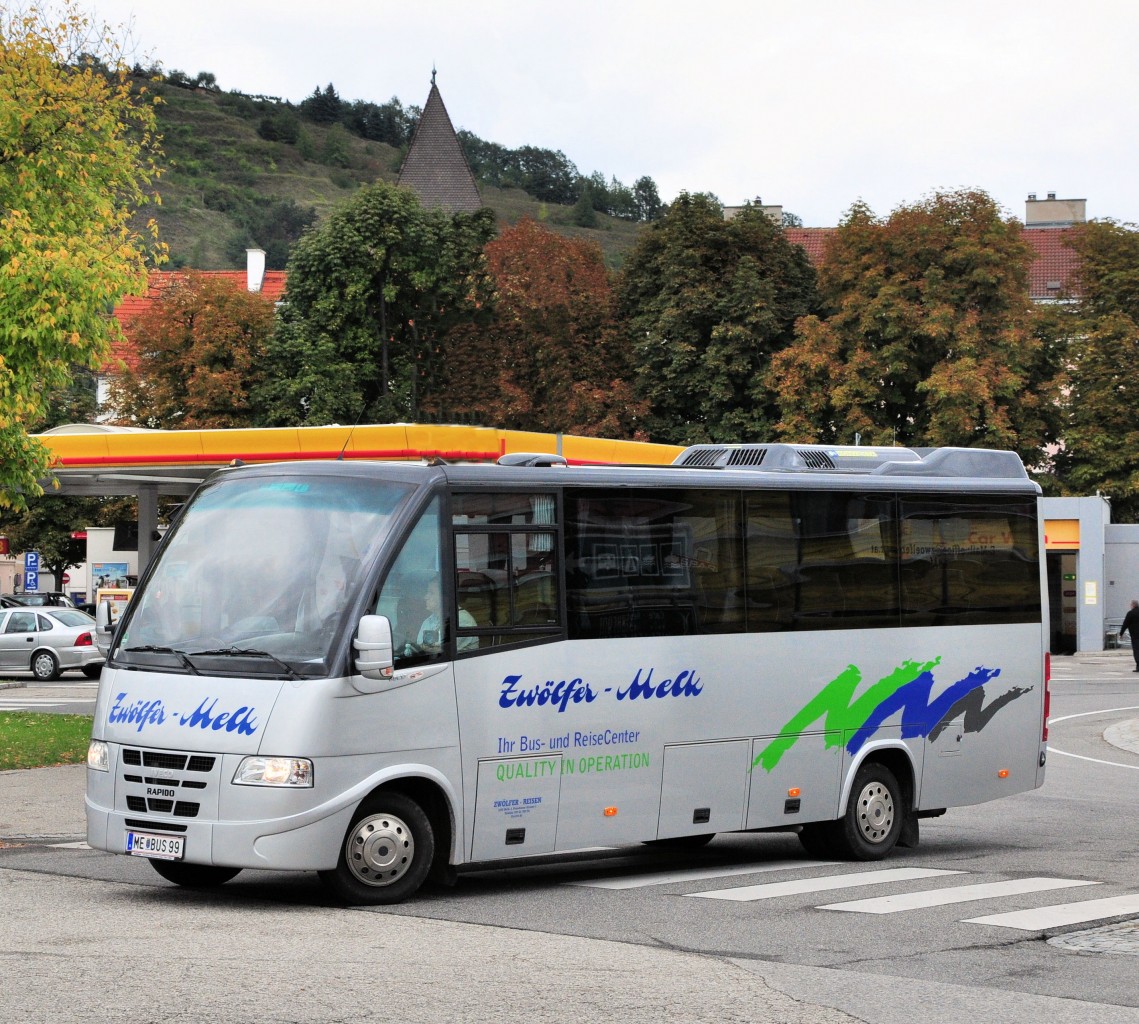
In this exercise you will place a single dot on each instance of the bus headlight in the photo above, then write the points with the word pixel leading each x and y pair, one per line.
pixel 274 771
pixel 98 756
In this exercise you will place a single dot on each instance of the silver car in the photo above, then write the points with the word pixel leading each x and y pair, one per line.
pixel 48 641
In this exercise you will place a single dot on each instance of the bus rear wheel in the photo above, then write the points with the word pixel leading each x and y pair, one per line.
pixel 386 853
pixel 874 815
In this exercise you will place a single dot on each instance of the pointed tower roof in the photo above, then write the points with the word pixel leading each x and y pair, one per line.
pixel 435 167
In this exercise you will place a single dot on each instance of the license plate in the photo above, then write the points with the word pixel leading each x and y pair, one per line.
pixel 143 844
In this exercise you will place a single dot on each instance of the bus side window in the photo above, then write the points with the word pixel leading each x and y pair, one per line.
pixel 411 596
pixel 505 568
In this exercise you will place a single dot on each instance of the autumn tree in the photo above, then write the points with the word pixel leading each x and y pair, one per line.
pixel 707 302
pixel 77 159
pixel 47 525
pixel 1101 431
pixel 929 336
pixel 371 294
pixel 199 350
pixel 550 359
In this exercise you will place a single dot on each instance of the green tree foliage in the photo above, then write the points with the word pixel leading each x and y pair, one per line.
pixel 77 401
pixel 371 293
pixel 200 350
pixel 271 224
pixel 77 159
pixel 280 124
pixel 324 106
pixel 647 200
pixel 1101 434
pixel 551 358
pixel 929 338
pixel 46 526
pixel 708 302
pixel 389 122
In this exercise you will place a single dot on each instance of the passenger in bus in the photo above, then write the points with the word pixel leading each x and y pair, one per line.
pixel 431 632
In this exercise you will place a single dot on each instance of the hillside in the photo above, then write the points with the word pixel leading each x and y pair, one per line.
pixel 229 187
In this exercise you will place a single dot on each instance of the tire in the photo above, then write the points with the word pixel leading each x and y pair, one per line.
pixel 817 838
pixel 386 853
pixel 874 815
pixel 193 876
pixel 45 667
pixel 92 671
pixel 682 842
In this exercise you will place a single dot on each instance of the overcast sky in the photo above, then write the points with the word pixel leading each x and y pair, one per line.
pixel 809 104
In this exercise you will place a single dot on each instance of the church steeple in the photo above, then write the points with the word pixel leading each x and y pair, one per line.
pixel 435 167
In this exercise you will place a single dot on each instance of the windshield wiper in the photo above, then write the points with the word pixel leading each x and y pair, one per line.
pixel 244 652
pixel 152 649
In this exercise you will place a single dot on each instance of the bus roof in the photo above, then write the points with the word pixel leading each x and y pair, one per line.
pixel 776 466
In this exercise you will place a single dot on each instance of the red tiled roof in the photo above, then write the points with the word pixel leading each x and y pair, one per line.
pixel 1054 271
pixel 1051 275
pixel 132 306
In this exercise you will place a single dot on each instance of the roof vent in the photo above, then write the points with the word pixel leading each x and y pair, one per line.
pixel 815 459
pixel 700 456
pixel 746 456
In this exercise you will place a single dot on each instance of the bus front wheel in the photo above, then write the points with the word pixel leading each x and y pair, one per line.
pixel 874 815
pixel 386 853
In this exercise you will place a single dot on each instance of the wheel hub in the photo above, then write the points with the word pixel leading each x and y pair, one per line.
pixel 875 812
pixel 380 849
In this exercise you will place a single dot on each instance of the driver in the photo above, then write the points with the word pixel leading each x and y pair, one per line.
pixel 430 633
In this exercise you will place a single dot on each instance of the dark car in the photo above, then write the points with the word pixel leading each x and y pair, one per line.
pixel 40 599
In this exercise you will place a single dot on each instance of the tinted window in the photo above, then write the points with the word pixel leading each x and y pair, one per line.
pixel 969 560
pixel 654 563
pixel 821 560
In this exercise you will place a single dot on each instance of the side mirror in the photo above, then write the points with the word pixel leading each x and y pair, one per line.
pixel 373 644
pixel 104 626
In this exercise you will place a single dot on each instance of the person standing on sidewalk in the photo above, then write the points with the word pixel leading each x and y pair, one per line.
pixel 1131 628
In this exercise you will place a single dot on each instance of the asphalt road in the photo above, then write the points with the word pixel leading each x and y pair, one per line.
pixel 631 934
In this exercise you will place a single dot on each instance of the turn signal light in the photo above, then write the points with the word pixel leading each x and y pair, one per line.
pixel 610 812
pixel 1002 774
pixel 793 792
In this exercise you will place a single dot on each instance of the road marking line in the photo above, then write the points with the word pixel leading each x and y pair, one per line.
pixel 43 702
pixel 1090 714
pixel 799 886
pixel 1063 914
pixel 696 874
pixel 1094 760
pixel 954 894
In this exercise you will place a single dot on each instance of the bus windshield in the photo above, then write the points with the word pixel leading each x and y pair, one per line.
pixel 255 580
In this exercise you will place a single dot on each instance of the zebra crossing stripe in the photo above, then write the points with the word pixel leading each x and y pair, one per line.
pixel 799 886
pixel 954 894
pixel 1063 914
pixel 696 874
